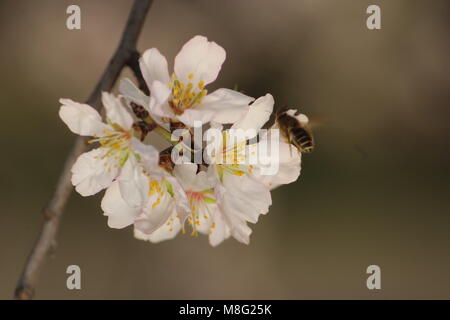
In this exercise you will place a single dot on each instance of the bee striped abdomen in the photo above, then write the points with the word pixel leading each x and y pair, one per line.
pixel 302 140
pixel 296 133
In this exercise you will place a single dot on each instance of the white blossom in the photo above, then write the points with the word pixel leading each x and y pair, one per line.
pixel 205 216
pixel 182 97
pixel 114 158
pixel 243 191
pixel 217 198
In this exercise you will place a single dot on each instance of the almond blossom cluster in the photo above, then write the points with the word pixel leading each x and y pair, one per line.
pixel 146 187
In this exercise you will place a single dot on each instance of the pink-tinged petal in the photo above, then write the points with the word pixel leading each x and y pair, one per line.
pixel 227 105
pixel 199 60
pixel 93 171
pixel 258 114
pixel 116 111
pixel 119 213
pixel 154 67
pixel 81 119
pixel 133 183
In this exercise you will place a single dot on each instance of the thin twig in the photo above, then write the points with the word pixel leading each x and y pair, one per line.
pixel 52 213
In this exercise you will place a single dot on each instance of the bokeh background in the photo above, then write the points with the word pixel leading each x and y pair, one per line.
pixel 375 191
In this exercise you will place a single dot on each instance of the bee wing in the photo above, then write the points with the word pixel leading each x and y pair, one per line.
pixel 318 121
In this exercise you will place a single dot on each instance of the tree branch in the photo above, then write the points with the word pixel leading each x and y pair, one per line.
pixel 52 213
pixel 133 63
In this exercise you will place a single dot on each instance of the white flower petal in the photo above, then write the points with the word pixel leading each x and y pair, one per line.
pixel 245 197
pixel 155 214
pixel 241 232
pixel 93 172
pixel 224 95
pixel 200 58
pixel 258 114
pixel 185 174
pixel 227 105
pixel 204 220
pixel 116 111
pixel 203 182
pixel 165 232
pixel 133 183
pixel 81 119
pixel 154 67
pixel 119 213
pixel 221 231
pixel 237 226
pixel 133 94
pixel 161 93
pixel 182 206
pixel 288 162
pixel 157 111
pixel 189 116
pixel 149 156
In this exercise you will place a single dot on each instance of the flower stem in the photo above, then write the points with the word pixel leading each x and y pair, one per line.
pixel 161 131
pixel 165 134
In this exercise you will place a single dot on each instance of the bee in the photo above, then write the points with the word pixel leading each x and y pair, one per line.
pixel 295 129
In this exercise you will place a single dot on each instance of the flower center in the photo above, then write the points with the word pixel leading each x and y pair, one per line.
pixel 198 201
pixel 185 96
pixel 157 189
pixel 117 147
pixel 232 157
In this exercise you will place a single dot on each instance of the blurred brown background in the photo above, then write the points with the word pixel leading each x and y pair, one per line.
pixel 376 191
